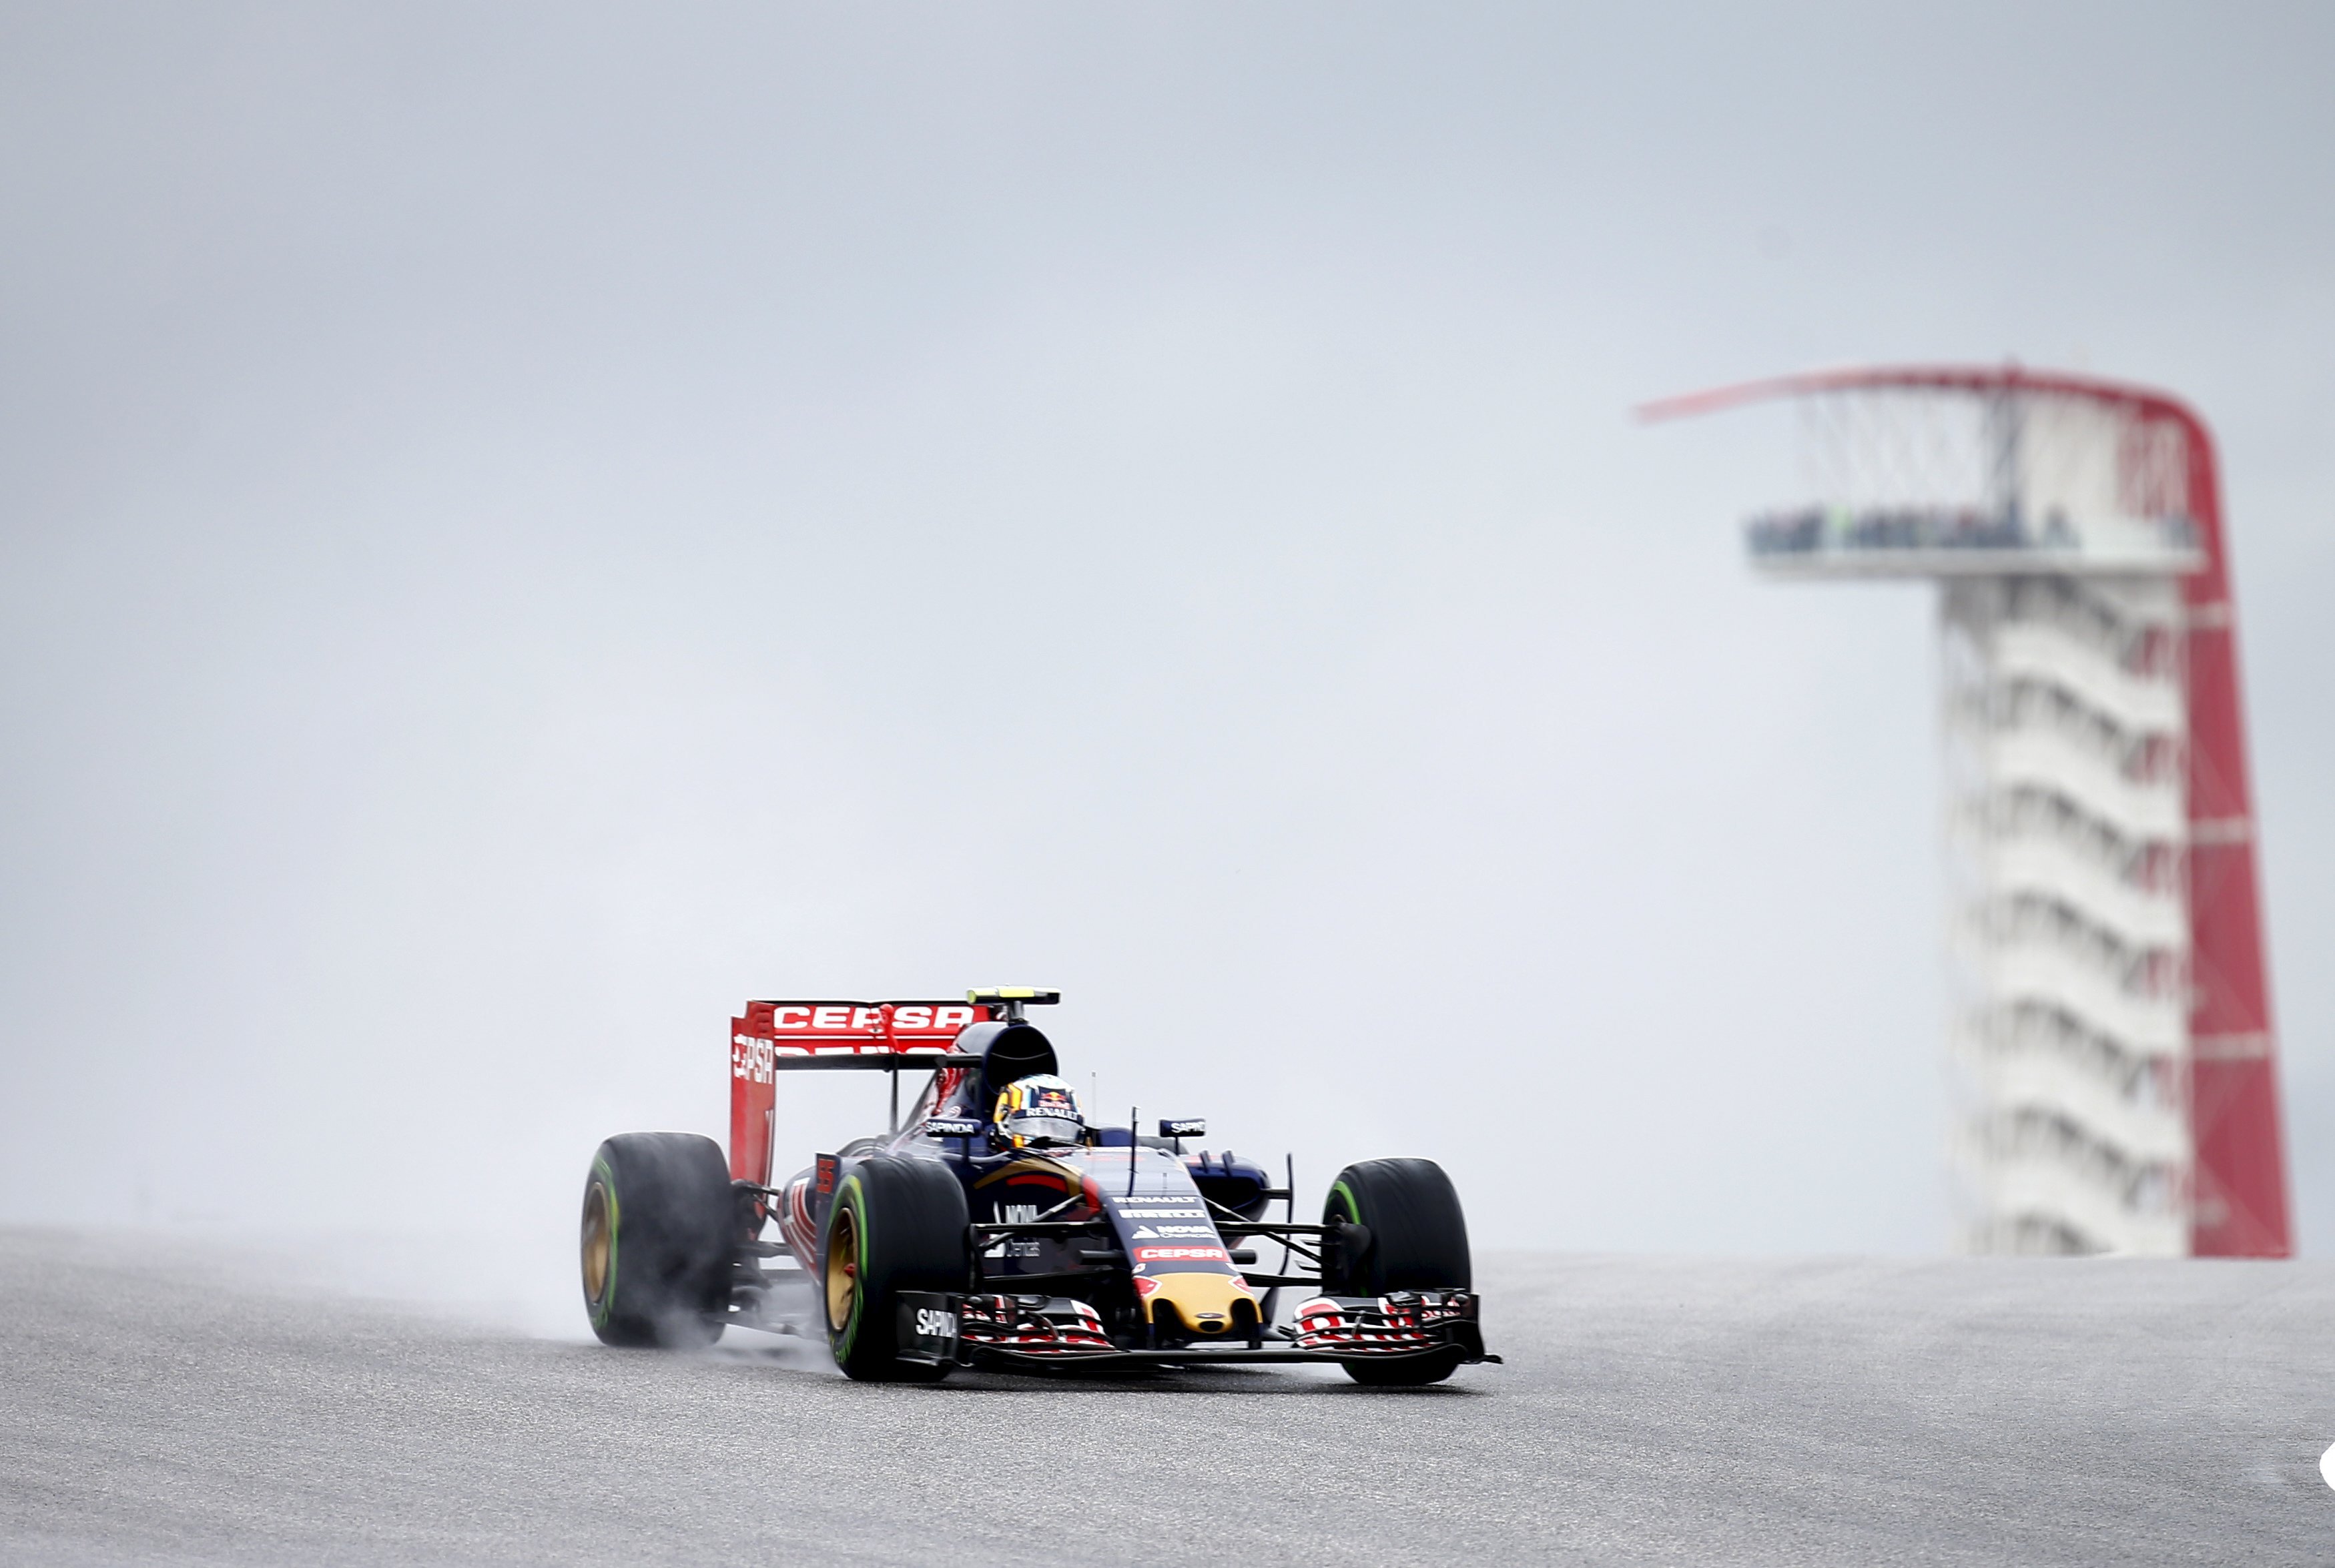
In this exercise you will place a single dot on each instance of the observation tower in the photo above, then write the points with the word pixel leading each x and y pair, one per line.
pixel 2110 1024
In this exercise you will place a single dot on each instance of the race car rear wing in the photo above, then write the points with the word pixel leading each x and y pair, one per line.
pixel 776 1037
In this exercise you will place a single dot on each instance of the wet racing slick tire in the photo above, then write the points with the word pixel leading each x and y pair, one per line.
pixel 658 1218
pixel 896 1224
pixel 1412 1236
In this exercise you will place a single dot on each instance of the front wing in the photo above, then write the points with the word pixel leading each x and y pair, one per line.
pixel 948 1328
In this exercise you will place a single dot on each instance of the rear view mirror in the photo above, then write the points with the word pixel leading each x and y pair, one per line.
pixel 952 1127
pixel 1190 1127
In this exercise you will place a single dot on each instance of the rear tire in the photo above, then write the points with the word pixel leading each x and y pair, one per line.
pixel 1415 1238
pixel 896 1224
pixel 657 1233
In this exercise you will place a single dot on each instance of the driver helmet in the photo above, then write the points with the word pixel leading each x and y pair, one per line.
pixel 1038 1109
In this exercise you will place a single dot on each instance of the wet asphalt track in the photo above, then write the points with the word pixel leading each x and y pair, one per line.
pixel 155 1407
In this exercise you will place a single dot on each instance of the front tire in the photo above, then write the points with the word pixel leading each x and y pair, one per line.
pixel 657 1233
pixel 896 1224
pixel 1410 1235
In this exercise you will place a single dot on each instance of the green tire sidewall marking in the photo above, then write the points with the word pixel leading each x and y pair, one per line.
pixel 855 1197
pixel 1343 1196
pixel 603 1310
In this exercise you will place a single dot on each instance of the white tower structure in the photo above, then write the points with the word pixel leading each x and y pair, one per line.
pixel 2108 1027
pixel 2068 930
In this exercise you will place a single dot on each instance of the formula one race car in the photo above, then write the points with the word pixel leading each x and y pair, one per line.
pixel 998 1227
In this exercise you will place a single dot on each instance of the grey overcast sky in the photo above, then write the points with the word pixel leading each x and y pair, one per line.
pixel 524 527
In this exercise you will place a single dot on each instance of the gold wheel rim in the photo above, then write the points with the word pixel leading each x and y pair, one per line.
pixel 842 1269
pixel 596 1243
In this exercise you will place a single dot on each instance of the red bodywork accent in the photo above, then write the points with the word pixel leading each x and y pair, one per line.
pixel 2240 1198
pixel 771 1031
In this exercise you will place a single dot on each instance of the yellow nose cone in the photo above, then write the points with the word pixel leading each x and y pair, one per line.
pixel 1205 1300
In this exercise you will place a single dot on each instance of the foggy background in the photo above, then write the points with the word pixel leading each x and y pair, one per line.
pixel 526 528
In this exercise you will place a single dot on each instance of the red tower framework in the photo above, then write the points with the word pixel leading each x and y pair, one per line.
pixel 2165 496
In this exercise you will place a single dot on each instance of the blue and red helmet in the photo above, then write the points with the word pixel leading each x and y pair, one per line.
pixel 1038 1109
